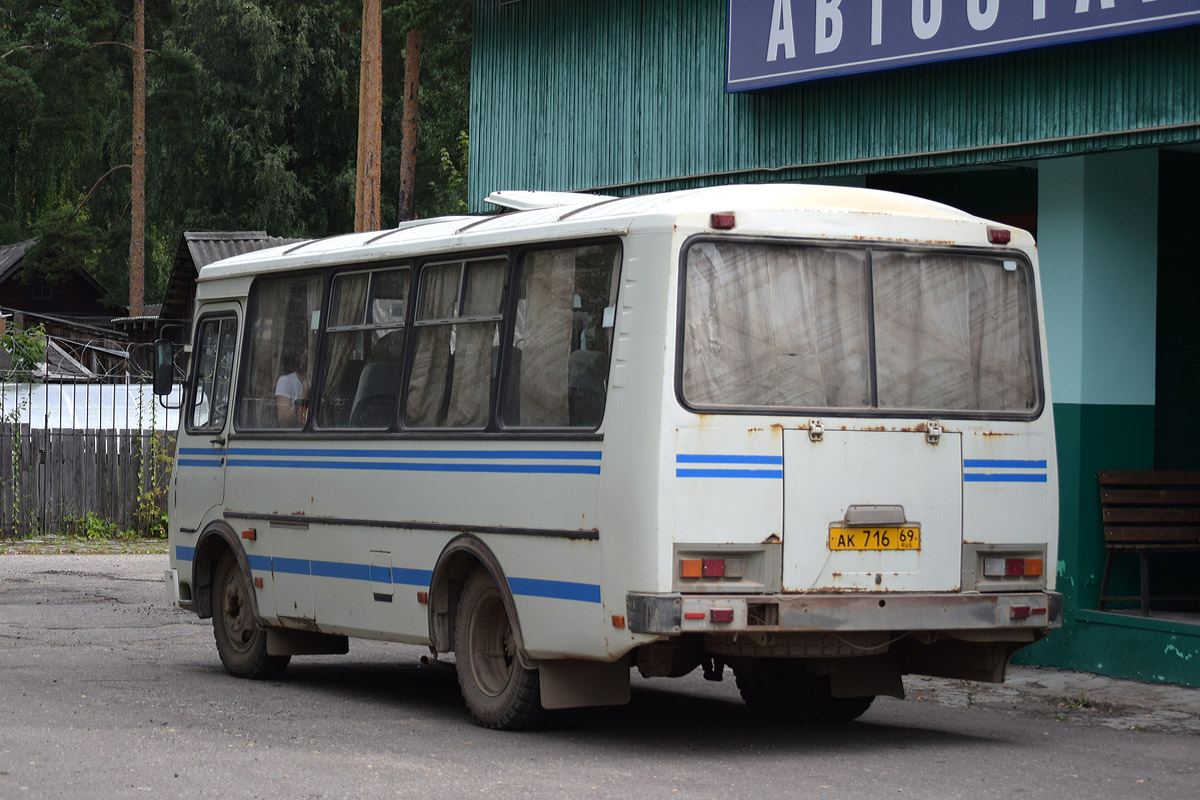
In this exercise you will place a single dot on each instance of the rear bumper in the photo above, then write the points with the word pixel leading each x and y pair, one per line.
pixel 675 613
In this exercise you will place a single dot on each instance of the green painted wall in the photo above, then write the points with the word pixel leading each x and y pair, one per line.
pixel 628 96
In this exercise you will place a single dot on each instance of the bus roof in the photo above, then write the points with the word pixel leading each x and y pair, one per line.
pixel 563 215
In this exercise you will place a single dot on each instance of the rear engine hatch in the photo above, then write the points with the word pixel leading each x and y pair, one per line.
pixel 876 511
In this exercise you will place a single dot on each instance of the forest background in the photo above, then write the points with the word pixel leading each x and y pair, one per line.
pixel 251 123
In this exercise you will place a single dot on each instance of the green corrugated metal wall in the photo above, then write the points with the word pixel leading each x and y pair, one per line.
pixel 628 96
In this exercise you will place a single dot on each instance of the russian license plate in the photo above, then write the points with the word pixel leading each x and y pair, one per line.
pixel 904 538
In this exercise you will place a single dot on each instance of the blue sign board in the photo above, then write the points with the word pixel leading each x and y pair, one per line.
pixel 774 42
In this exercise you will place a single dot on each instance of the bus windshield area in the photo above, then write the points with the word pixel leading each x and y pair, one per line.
pixel 876 329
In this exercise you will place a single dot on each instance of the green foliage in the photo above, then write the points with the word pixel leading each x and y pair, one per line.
pixel 27 349
pixel 251 123
pixel 92 527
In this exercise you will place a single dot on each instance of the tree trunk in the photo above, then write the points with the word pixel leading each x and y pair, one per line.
pixel 370 120
pixel 137 233
pixel 408 151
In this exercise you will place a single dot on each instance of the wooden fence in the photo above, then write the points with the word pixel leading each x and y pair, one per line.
pixel 60 476
pixel 70 481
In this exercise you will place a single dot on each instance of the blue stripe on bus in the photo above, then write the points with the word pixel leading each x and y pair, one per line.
pixel 988 463
pixel 196 462
pixel 291 566
pixel 538 469
pixel 555 590
pixel 1004 477
pixel 404 576
pixel 728 473
pixel 701 458
pixel 260 563
pixel 555 455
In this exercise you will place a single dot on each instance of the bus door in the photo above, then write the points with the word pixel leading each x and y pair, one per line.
pixel 872 510
pixel 202 438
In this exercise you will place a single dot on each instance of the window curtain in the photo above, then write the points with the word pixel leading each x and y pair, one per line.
pixel 475 344
pixel 346 307
pixel 776 326
pixel 952 333
pixel 435 345
pixel 549 278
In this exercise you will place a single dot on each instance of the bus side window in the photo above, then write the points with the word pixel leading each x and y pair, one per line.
pixel 457 327
pixel 284 314
pixel 214 370
pixel 558 368
pixel 364 349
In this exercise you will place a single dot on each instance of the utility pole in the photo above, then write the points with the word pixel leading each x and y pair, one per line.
pixel 137 234
pixel 370 120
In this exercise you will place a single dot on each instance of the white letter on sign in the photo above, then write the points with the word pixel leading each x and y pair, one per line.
pixel 829 16
pixel 921 27
pixel 781 31
pixel 982 20
pixel 876 22
pixel 1083 6
pixel 1039 9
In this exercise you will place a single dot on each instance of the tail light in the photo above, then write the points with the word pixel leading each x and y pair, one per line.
pixel 1012 567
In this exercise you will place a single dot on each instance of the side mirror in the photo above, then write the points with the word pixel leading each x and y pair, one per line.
pixel 164 366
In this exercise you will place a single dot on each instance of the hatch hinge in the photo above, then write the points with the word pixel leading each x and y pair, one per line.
pixel 933 431
pixel 816 431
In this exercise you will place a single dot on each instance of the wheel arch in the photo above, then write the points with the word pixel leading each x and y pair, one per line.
pixel 461 555
pixel 214 541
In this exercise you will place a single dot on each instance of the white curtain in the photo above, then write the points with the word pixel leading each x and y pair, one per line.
pixel 776 326
pixel 952 333
pixel 549 278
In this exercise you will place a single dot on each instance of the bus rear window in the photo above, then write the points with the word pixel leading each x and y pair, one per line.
pixel 770 326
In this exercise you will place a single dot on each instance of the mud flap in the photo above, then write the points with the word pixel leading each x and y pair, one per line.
pixel 573 683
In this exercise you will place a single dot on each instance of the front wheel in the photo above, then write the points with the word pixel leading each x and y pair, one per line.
pixel 498 691
pixel 241 644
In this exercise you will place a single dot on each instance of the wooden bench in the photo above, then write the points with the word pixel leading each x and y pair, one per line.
pixel 1148 513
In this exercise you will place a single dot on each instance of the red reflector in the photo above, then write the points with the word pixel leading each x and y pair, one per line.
pixel 693 615
pixel 618 621
pixel 1014 566
pixel 1020 612
pixel 422 597
pixel 258 583
pixel 723 222
pixel 999 235
pixel 714 568
pixel 250 533
pixel 1037 611
pixel 722 615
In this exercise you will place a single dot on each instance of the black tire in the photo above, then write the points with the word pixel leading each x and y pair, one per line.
pixel 241 644
pixel 844 709
pixel 784 691
pixel 498 691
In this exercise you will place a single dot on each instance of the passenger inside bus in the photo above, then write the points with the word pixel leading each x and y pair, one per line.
pixel 291 392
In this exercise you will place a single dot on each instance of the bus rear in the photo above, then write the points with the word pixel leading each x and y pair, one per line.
pixel 860 457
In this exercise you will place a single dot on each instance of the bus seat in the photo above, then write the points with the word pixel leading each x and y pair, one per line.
pixel 375 399
pixel 586 374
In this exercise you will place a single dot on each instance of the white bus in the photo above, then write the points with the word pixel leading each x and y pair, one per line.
pixel 801 432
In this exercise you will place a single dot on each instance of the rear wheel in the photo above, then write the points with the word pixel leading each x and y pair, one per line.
pixel 241 644
pixel 784 690
pixel 498 691
pixel 844 709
